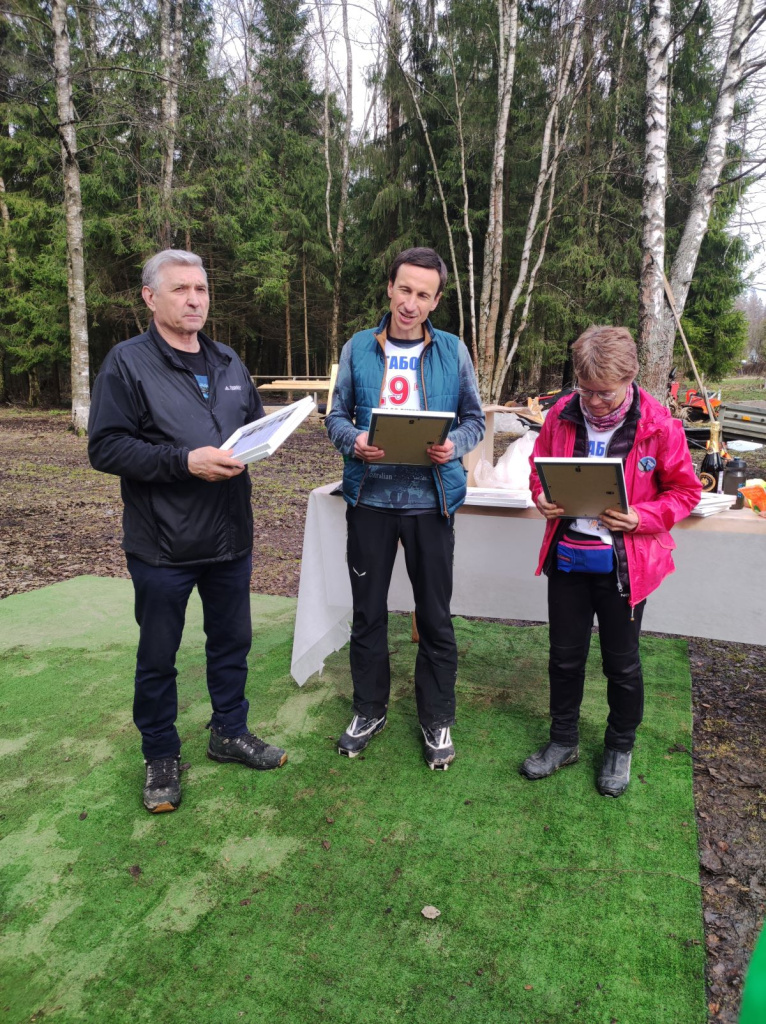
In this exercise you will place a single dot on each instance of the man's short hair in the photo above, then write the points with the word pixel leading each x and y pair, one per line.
pixel 150 277
pixel 420 257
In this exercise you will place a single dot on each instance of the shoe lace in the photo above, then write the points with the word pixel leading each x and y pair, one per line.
pixel 163 771
pixel 439 737
pixel 252 742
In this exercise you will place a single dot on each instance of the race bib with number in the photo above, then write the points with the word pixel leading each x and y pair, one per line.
pixel 401 389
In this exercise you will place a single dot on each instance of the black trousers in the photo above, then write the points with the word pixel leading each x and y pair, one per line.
pixel 162 593
pixel 573 600
pixel 429 542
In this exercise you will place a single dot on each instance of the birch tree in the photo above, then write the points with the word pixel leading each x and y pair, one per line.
pixel 171 19
pixel 491 285
pixel 78 316
pixel 554 138
pixel 657 325
pixel 337 235
pixel 654 360
pixel 735 71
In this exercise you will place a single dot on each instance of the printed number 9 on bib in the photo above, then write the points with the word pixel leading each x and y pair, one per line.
pixel 398 390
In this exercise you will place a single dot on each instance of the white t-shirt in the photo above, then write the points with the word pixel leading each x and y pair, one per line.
pixel 401 388
pixel 598 448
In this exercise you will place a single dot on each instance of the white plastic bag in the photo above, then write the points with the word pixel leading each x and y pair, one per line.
pixel 512 470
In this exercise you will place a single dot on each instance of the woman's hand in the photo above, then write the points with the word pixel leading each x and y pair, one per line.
pixel 548 509
pixel 619 522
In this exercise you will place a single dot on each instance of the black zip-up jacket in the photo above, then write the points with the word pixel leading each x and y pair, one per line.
pixel 147 413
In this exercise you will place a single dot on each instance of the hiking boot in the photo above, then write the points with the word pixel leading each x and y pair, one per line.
pixel 359 733
pixel 614 776
pixel 549 759
pixel 246 749
pixel 439 751
pixel 162 791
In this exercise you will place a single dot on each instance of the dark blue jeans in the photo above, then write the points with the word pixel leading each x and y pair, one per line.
pixel 162 593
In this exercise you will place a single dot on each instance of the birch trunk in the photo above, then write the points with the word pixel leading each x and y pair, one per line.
pixel 345 164
pixel 466 208
pixel 6 220
pixel 491 285
pixel 442 200
pixel 170 55
pixel 553 144
pixel 652 348
pixel 78 314
pixel 685 259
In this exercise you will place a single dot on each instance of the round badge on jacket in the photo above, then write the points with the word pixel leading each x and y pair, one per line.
pixel 647 464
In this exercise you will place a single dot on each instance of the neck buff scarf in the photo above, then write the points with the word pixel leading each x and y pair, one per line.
pixel 612 418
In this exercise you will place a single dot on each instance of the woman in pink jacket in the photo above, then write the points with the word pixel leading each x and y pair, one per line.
pixel 607 566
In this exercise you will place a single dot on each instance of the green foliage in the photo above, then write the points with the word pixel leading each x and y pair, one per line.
pixel 250 177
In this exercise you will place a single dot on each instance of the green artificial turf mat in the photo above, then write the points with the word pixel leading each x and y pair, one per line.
pixel 296 895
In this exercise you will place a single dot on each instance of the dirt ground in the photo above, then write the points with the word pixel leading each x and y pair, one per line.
pixel 59 519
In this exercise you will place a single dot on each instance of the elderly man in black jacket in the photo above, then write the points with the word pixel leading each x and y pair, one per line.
pixel 163 404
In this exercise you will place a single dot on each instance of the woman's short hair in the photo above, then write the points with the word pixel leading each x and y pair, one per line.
pixel 150 277
pixel 605 353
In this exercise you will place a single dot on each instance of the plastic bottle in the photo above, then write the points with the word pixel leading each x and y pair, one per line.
pixel 734 477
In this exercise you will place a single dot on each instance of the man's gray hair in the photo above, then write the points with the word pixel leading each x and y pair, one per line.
pixel 151 274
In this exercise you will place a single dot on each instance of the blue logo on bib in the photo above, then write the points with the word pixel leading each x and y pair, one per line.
pixel 647 464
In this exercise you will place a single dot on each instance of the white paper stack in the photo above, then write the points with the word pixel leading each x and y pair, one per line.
pixel 497 497
pixel 709 504
pixel 262 437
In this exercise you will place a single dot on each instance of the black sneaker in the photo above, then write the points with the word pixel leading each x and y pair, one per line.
pixel 439 750
pixel 162 791
pixel 246 749
pixel 359 733
pixel 549 759
pixel 614 777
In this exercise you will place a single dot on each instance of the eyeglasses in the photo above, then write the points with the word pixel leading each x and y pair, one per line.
pixel 605 396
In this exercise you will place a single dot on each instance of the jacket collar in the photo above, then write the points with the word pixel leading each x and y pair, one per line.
pixel 213 353
pixel 381 332
pixel 573 413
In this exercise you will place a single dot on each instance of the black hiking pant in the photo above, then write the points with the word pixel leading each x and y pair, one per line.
pixel 428 540
pixel 574 598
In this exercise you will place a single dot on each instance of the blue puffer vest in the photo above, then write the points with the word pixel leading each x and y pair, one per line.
pixel 439 383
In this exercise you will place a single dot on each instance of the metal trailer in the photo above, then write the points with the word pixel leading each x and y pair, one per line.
pixel 746 421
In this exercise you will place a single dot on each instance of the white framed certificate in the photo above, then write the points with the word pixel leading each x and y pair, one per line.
pixel 583 487
pixel 405 434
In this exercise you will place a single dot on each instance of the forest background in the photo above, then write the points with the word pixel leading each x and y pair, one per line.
pixel 535 145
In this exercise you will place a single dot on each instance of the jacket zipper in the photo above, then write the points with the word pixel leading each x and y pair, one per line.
pixel 435 468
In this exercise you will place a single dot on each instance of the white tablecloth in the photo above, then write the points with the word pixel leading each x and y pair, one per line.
pixel 717 591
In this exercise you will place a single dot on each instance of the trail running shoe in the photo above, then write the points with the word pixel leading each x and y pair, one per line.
pixel 614 777
pixel 162 790
pixel 549 759
pixel 359 733
pixel 246 749
pixel 439 751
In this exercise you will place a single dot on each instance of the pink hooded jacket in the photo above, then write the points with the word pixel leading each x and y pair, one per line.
pixel 662 489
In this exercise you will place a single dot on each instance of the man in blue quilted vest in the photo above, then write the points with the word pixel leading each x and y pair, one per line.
pixel 404 363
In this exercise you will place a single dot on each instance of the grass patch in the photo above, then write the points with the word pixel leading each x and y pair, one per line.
pixel 296 895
